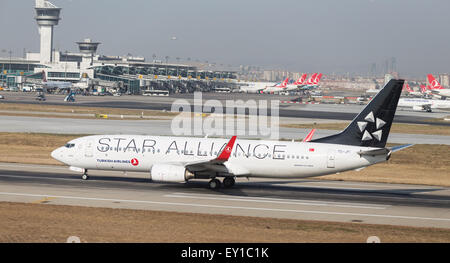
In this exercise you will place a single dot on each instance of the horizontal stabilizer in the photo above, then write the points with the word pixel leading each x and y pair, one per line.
pixel 400 147
pixel 384 151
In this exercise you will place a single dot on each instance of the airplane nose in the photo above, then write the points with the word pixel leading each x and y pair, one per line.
pixel 57 154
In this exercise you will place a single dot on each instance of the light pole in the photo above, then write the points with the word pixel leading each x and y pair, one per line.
pixel 3 69
pixel 167 63
pixel 10 53
pixel 3 64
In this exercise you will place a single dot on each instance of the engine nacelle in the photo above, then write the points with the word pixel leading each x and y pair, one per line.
pixel 170 173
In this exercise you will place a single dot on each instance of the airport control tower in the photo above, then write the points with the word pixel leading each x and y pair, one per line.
pixel 47 16
pixel 88 49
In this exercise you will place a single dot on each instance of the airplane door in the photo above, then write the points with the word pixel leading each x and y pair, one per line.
pixel 330 159
pixel 89 151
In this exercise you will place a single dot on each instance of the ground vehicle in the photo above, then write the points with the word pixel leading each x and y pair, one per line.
pixel 41 97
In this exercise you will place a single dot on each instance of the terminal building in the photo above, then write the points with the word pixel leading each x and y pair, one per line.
pixel 89 70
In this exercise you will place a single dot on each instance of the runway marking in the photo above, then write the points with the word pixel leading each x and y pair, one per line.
pixel 276 201
pixel 375 185
pixel 231 207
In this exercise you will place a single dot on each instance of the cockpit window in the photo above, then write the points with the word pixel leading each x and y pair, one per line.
pixel 70 145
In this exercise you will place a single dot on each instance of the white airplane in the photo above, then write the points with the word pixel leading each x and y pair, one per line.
pixel 180 159
pixel 255 87
pixel 55 84
pixel 427 105
pixel 277 88
pixel 436 88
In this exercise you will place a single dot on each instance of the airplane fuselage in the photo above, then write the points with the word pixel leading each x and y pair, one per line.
pixel 256 158
pixel 416 102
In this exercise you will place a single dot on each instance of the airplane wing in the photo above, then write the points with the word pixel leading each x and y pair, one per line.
pixel 216 164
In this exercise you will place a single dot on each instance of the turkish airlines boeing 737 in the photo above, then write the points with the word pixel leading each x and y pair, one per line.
pixel 179 159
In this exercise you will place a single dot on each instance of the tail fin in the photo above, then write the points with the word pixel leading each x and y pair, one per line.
pixel 44 79
pixel 423 88
pixel 433 82
pixel 317 79
pixel 300 80
pixel 303 78
pixel 311 79
pixel 372 125
pixel 285 82
pixel 407 87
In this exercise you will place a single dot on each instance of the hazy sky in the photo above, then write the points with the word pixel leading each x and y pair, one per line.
pixel 320 35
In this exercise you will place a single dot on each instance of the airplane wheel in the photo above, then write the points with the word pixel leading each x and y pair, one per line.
pixel 85 177
pixel 228 182
pixel 214 184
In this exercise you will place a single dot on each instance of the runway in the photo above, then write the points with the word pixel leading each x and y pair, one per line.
pixel 310 199
pixel 161 127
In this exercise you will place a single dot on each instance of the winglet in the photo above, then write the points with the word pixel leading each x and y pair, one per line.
pixel 309 136
pixel 226 152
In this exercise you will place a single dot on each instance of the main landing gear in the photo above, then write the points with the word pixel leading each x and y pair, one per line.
pixel 85 175
pixel 228 182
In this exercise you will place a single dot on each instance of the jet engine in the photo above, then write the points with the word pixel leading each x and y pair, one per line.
pixel 170 173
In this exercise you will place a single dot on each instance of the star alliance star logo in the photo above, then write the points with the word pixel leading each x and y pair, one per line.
pixel 379 123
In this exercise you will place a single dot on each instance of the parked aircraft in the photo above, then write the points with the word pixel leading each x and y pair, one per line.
pixel 422 104
pixel 436 88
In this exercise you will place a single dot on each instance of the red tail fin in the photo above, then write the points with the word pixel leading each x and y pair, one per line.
pixel 423 88
pixel 285 82
pixel 300 80
pixel 317 79
pixel 311 79
pixel 433 82
pixel 407 87
pixel 303 78
pixel 226 152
